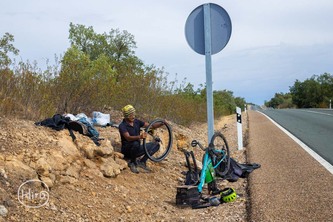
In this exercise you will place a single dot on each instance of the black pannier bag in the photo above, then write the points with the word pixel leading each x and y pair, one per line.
pixel 187 195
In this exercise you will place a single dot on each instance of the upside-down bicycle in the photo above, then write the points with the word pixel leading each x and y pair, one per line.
pixel 216 160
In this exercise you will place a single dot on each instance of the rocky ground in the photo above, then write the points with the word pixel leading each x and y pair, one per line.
pixel 91 183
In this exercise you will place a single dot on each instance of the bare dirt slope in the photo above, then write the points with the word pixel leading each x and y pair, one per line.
pixel 291 185
pixel 90 183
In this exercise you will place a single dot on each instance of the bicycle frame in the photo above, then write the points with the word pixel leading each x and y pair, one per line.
pixel 205 164
pixel 207 159
pixel 213 156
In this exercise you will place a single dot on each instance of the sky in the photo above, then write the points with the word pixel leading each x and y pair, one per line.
pixel 272 43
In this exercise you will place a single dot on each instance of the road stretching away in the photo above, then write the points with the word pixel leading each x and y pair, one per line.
pixel 290 185
pixel 314 127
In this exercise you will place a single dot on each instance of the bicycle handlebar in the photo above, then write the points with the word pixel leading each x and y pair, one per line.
pixel 195 143
pixel 211 149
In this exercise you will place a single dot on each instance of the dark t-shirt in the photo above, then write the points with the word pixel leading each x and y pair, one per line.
pixel 132 130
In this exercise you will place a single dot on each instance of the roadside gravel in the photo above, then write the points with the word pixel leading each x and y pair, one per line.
pixel 291 185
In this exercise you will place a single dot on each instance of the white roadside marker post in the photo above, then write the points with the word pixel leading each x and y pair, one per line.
pixel 239 128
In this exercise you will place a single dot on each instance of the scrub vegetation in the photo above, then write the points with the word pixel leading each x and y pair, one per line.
pixel 101 72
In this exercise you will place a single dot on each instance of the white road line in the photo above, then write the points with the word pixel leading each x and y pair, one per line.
pixel 310 111
pixel 322 161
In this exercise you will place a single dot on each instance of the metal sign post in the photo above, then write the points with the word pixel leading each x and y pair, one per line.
pixel 207 31
pixel 209 82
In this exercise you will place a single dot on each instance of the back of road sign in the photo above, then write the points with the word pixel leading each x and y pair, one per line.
pixel 220 29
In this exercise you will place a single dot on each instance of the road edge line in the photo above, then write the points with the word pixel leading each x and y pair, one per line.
pixel 321 160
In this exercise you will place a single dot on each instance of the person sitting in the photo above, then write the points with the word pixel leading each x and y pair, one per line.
pixel 131 137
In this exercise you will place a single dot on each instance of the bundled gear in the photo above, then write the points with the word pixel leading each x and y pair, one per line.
pixel 188 194
pixel 238 170
pixel 59 122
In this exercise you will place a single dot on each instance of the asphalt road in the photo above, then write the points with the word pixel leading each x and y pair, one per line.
pixel 290 185
pixel 314 127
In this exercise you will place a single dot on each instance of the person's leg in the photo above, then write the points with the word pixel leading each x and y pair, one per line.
pixel 137 150
pixel 152 148
pixel 134 152
pixel 126 152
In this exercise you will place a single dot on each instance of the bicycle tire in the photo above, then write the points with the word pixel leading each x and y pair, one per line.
pixel 221 144
pixel 163 135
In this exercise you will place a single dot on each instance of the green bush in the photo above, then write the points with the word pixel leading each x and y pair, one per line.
pixel 100 71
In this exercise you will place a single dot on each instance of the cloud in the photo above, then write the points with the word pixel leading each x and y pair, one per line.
pixel 272 44
pixel 270 70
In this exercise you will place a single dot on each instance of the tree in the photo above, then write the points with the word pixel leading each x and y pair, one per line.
pixel 85 40
pixel 298 93
pixel 313 92
pixel 73 81
pixel 224 102
pixel 5 47
pixel 280 101
pixel 117 46
pixel 326 82
pixel 240 102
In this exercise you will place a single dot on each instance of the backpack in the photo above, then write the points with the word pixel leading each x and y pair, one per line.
pixel 92 132
pixel 79 127
pixel 85 128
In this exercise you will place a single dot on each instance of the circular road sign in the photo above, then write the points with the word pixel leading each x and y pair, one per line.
pixel 220 29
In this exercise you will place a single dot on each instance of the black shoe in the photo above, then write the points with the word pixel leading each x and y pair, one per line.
pixel 143 165
pixel 133 167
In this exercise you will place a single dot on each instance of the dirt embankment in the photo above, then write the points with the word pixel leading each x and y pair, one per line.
pixel 90 183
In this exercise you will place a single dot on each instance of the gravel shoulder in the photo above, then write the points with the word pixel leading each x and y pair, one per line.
pixel 290 185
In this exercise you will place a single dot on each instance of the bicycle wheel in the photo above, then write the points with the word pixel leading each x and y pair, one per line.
pixel 162 136
pixel 222 161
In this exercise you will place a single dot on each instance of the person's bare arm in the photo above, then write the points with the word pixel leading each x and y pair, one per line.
pixel 133 138
pixel 155 125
